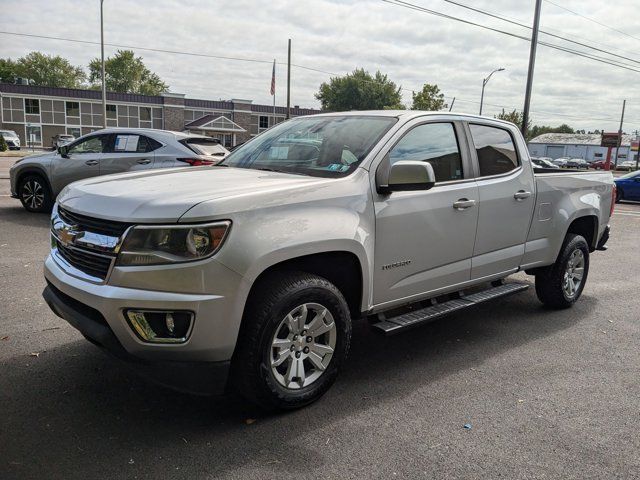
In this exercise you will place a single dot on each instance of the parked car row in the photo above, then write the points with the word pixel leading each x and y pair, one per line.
pixel 580 163
pixel 38 179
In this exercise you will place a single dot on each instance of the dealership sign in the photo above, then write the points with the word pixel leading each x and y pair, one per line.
pixel 634 145
pixel 610 140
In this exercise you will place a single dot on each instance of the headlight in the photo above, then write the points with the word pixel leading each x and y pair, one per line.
pixel 171 244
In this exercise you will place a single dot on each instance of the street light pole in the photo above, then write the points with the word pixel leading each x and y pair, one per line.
pixel 104 86
pixel 484 84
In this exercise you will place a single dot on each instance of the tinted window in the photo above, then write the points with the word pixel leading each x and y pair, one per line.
pixel 95 144
pixel 435 143
pixel 134 144
pixel 495 148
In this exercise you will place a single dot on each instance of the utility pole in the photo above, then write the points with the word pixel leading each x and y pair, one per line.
pixel 104 86
pixel 615 160
pixel 289 80
pixel 532 63
pixel 452 103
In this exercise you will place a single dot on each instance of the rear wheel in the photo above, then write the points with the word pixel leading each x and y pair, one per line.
pixel 561 284
pixel 34 194
pixel 296 334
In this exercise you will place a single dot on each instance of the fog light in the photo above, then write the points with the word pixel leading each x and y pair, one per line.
pixel 156 326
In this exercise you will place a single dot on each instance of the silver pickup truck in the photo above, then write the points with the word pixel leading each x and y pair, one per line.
pixel 248 275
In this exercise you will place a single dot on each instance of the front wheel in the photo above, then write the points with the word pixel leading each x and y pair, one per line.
pixel 34 194
pixel 295 335
pixel 561 284
pixel 619 195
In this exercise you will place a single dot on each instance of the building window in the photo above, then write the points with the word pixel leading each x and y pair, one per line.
pixel 13 109
pixel 145 114
pixel 264 121
pixel 111 111
pixel 73 109
pixel 75 131
pixel 34 135
pixel 32 106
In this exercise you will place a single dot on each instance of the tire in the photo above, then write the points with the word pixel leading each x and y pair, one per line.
pixel 619 195
pixel 34 194
pixel 278 298
pixel 552 287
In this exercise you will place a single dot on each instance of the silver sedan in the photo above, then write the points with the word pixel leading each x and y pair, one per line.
pixel 38 179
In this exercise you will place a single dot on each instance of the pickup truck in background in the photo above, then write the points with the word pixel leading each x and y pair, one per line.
pixel 248 275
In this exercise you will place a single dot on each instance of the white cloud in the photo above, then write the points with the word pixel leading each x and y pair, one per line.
pixel 338 36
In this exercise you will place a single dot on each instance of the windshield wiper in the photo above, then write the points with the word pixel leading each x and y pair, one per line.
pixel 266 169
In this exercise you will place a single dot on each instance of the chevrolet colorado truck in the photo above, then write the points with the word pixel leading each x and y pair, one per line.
pixel 248 275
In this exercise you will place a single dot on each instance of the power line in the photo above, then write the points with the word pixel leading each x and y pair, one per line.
pixel 418 8
pixel 560 37
pixel 592 20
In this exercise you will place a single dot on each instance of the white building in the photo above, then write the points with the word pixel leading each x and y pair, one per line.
pixel 575 145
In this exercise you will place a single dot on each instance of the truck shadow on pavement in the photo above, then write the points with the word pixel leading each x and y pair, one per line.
pixel 74 412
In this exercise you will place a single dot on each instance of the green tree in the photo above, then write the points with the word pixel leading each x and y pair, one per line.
pixel 359 90
pixel 515 117
pixel 45 70
pixel 3 144
pixel 429 98
pixel 126 73
pixel 7 70
pixel 538 130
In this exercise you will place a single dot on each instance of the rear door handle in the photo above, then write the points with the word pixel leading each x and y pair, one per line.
pixel 521 195
pixel 463 204
pixel 144 161
pixel 91 162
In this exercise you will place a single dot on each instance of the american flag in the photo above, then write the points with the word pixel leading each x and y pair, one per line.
pixel 273 79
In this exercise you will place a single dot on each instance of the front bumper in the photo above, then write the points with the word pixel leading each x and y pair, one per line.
pixel 202 378
pixel 213 336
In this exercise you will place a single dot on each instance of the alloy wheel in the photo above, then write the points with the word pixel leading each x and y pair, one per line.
pixel 573 273
pixel 33 194
pixel 303 345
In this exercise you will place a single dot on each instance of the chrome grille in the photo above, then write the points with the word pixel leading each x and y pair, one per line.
pixel 93 264
pixel 96 225
pixel 85 247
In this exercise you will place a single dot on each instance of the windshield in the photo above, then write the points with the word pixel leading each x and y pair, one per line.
pixel 317 146
pixel 631 175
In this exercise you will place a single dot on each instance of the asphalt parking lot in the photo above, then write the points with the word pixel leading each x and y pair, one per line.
pixel 548 394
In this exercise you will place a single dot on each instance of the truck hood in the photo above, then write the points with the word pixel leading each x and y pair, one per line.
pixel 165 195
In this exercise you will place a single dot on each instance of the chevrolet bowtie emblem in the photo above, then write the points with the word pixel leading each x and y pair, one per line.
pixel 67 235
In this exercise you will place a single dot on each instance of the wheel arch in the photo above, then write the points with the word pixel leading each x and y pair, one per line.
pixel 33 171
pixel 341 267
pixel 586 226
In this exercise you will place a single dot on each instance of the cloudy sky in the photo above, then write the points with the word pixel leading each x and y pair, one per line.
pixel 337 36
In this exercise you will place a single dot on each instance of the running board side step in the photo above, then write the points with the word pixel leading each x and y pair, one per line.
pixel 415 318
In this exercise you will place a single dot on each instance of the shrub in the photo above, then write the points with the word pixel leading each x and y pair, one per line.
pixel 3 144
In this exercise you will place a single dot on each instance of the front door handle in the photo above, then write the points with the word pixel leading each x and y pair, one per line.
pixel 463 204
pixel 144 161
pixel 91 162
pixel 521 195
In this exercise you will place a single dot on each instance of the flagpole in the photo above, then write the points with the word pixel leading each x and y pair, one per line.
pixel 274 94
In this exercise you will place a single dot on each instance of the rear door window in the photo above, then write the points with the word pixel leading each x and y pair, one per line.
pixel 129 143
pixel 495 148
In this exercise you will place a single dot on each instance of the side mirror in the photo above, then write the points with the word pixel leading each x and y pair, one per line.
pixel 409 175
pixel 63 151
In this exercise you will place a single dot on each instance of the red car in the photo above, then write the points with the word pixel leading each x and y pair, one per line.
pixel 599 165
